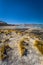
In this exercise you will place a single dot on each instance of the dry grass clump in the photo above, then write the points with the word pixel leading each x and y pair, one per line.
pixel 6 40
pixel 3 51
pixel 26 39
pixel 3 40
pixel 0 41
pixel 36 34
pixel 22 47
pixel 10 30
pixel 39 45
pixel 4 31
pixel 1 32
pixel 20 33
pixel 7 31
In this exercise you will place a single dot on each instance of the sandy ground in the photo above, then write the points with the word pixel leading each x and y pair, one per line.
pixel 32 57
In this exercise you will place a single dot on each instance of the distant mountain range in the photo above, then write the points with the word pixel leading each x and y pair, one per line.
pixel 22 25
pixel 2 23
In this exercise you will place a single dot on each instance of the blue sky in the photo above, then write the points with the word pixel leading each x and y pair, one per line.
pixel 21 11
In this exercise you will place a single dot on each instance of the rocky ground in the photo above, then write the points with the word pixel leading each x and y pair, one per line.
pixel 12 38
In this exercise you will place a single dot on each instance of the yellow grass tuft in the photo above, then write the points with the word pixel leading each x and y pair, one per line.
pixel 39 45
pixel 22 48
pixel 3 52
